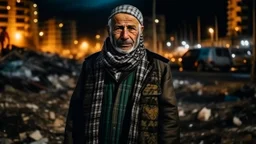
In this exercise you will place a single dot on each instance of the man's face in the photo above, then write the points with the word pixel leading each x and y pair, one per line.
pixel 124 32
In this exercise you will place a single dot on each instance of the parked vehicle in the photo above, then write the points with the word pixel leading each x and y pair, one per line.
pixel 207 58
pixel 241 58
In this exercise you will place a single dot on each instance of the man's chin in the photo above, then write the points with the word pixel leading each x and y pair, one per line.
pixel 125 50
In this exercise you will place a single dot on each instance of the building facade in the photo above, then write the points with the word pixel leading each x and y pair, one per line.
pixel 58 35
pixel 239 18
pixel 20 18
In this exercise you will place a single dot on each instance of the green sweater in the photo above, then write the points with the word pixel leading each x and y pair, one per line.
pixel 116 97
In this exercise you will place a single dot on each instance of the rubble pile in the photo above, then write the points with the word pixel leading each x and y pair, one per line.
pixel 35 90
pixel 216 113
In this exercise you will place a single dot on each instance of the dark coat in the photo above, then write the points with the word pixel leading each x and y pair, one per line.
pixel 158 119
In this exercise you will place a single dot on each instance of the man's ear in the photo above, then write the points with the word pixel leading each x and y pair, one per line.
pixel 142 28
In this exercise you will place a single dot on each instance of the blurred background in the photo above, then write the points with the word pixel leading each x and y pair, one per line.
pixel 210 44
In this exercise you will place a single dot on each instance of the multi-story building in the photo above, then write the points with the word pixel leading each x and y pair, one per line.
pixel 20 18
pixel 56 35
pixel 239 18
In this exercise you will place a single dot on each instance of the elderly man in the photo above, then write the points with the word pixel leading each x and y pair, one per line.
pixel 124 93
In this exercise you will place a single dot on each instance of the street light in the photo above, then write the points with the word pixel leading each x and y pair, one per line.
pixel 168 44
pixel 211 31
pixel 183 43
pixel 156 20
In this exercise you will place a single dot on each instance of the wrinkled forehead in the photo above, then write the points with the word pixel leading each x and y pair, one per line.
pixel 124 19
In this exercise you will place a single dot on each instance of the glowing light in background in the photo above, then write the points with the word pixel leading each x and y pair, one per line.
pixel 156 20
pixel 84 45
pixel 18 36
pixel 41 33
pixel 35 5
pixel 183 43
pixel 75 42
pixel 97 46
pixel 8 7
pixel 35 13
pixel 61 25
pixel 168 44
pixel 97 36
pixel 198 45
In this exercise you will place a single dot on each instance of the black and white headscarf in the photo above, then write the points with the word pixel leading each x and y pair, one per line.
pixel 108 58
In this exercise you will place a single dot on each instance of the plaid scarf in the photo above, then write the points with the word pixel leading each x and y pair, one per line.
pixel 107 58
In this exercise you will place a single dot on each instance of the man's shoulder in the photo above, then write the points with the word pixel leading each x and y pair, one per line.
pixel 154 56
pixel 90 60
pixel 92 57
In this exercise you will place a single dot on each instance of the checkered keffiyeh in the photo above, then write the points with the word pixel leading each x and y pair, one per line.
pixel 129 9
pixel 114 62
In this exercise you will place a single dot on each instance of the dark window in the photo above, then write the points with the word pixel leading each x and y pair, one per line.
pixel 3 3
pixel 20 28
pixel 204 52
pixel 20 12
pixel 3 11
pixel 20 20
pixel 3 19
pixel 218 52
pixel 20 4
pixel 192 53
pixel 238 13
pixel 239 3
pixel 225 53
pixel 222 52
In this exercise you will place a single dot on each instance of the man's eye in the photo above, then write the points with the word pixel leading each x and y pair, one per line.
pixel 132 28
pixel 118 28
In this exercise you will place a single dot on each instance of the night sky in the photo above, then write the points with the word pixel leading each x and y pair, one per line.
pixel 92 14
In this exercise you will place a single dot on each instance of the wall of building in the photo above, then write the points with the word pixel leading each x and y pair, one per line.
pixel 239 16
pixel 21 20
pixel 58 35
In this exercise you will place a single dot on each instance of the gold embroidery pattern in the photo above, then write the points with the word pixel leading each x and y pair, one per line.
pixel 149 117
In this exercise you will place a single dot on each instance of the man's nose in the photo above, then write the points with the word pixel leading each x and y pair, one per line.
pixel 125 34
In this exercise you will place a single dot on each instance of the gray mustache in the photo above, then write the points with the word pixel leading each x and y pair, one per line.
pixel 119 42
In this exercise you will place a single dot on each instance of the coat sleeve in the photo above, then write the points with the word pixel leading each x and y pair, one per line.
pixel 169 130
pixel 74 116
